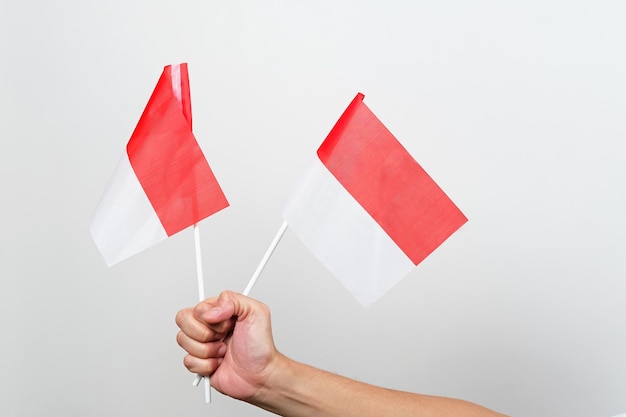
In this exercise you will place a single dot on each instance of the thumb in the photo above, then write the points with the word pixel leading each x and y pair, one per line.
pixel 215 310
pixel 229 305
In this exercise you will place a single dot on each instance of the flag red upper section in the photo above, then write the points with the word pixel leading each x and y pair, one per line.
pixel 167 159
pixel 388 183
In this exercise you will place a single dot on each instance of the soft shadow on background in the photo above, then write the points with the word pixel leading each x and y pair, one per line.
pixel 516 110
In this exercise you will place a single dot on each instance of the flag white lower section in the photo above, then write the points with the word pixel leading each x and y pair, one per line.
pixel 343 236
pixel 125 222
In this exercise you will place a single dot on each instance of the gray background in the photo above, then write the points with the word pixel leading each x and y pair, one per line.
pixel 515 108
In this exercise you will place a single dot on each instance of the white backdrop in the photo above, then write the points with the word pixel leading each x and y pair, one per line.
pixel 515 108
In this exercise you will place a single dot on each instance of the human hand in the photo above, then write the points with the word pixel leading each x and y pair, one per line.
pixel 229 338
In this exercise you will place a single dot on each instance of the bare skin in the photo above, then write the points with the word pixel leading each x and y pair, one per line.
pixel 230 339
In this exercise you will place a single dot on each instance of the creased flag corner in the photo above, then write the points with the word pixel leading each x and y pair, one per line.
pixel 162 184
pixel 366 209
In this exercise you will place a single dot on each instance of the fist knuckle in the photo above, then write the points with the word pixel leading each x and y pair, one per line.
pixel 181 317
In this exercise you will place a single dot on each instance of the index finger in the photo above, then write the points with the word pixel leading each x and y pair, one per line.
pixel 197 330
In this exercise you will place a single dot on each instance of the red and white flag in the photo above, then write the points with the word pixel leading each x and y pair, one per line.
pixel 163 183
pixel 366 209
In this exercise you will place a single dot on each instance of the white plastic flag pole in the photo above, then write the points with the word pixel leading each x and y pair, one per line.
pixel 196 238
pixel 266 258
pixel 255 276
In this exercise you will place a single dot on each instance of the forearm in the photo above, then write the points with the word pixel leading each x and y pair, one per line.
pixel 298 390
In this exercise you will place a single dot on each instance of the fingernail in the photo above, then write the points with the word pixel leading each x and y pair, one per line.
pixel 208 313
pixel 221 351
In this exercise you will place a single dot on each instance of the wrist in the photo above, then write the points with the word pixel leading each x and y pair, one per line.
pixel 295 389
pixel 270 381
pixel 280 385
